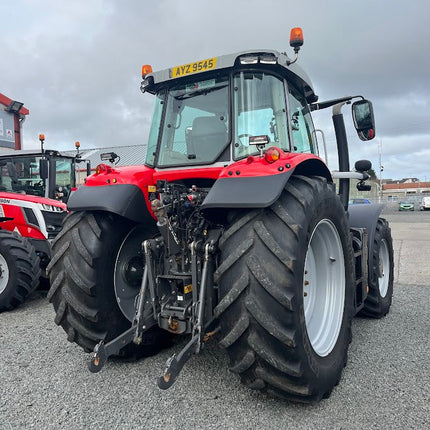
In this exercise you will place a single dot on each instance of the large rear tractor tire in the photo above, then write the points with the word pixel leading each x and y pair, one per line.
pixel 286 287
pixel 381 273
pixel 19 269
pixel 82 273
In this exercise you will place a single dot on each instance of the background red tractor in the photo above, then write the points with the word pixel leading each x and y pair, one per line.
pixel 33 188
pixel 233 226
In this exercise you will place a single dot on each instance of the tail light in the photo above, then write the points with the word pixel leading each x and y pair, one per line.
pixel 272 154
pixel 103 168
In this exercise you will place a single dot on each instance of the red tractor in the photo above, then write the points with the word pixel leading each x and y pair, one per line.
pixel 33 188
pixel 232 228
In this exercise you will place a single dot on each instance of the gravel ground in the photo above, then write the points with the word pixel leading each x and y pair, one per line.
pixel 45 384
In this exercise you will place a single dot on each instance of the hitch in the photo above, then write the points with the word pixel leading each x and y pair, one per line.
pixel 141 323
pixel 175 363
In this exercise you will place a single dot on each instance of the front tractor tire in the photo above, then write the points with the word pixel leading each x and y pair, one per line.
pixel 381 273
pixel 286 292
pixel 19 269
pixel 82 273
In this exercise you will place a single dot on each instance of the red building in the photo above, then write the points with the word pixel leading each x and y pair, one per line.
pixel 12 115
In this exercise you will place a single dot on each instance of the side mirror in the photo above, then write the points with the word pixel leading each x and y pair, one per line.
pixel 88 168
pixel 43 168
pixel 364 121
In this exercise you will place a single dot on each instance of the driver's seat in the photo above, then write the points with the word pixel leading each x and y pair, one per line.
pixel 207 138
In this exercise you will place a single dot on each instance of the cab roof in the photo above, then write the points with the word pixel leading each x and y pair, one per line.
pixel 250 59
pixel 31 152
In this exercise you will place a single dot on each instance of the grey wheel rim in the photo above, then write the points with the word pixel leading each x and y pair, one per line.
pixel 129 267
pixel 324 287
pixel 4 274
pixel 384 268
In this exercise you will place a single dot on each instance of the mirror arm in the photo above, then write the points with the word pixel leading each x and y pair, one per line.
pixel 329 103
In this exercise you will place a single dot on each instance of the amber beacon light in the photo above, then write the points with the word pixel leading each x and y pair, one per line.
pixel 296 38
pixel 146 69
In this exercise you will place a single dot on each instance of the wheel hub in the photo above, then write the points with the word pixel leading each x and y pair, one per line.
pixel 133 271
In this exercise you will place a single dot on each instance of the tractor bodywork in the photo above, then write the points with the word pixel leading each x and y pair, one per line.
pixel 231 228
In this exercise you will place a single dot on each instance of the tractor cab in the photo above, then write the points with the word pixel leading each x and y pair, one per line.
pixel 242 104
pixel 48 174
pixel 245 107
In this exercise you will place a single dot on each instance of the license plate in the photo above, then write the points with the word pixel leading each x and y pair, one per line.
pixel 198 66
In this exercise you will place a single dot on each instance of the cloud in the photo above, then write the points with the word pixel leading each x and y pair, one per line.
pixel 76 65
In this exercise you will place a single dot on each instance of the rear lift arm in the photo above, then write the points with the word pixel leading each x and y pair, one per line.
pixel 103 351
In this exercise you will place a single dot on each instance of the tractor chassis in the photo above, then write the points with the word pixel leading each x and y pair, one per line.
pixel 194 317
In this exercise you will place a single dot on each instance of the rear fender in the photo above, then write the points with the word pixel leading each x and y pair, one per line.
pixel 126 200
pixel 366 216
pixel 257 184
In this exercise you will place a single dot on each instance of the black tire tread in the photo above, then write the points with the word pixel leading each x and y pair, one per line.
pixel 20 254
pixel 81 275
pixel 376 306
pixel 258 311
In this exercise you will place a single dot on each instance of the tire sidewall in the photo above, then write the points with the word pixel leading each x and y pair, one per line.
pixel 7 294
pixel 327 206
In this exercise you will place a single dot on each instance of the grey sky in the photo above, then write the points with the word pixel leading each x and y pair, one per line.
pixel 76 64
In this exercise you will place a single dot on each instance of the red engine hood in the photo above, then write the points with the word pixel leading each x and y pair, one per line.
pixel 29 198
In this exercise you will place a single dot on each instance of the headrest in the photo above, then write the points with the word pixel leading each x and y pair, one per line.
pixel 205 125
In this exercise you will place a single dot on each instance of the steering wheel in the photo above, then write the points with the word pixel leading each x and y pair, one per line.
pixel 37 189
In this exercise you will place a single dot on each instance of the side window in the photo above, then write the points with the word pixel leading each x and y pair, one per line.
pixel 64 173
pixel 154 130
pixel 302 128
pixel 259 109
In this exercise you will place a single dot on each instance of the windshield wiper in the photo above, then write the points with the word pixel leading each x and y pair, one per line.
pixel 199 92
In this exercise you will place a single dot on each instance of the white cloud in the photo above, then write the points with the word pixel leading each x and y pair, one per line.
pixel 76 65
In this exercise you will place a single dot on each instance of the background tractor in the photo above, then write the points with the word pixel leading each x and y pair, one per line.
pixel 33 188
pixel 231 228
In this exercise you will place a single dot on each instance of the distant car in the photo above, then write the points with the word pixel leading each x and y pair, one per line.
pixel 359 202
pixel 406 206
pixel 425 204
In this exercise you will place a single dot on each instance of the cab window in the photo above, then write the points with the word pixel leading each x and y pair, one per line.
pixel 195 129
pixel 259 110
pixel 302 129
